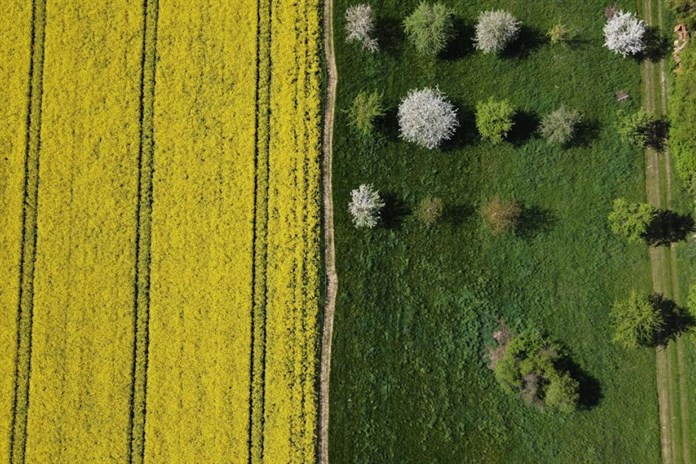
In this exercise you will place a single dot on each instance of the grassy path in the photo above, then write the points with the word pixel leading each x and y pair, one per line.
pixel 18 429
pixel 143 233
pixel 329 247
pixel 670 369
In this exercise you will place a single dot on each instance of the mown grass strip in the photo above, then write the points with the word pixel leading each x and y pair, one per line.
pixel 260 226
pixel 18 437
pixel 143 233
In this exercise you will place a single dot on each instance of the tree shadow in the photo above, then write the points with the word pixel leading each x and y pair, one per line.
pixel 668 227
pixel 466 133
pixel 658 133
pixel 461 43
pixel 677 320
pixel 388 124
pixel 527 41
pixel 590 389
pixel 394 212
pixel 657 45
pixel 534 221
pixel 390 35
pixel 586 132
pixel 457 214
pixel 525 126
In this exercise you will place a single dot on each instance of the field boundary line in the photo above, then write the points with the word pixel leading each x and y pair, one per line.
pixel 259 284
pixel 20 403
pixel 143 237
pixel 329 240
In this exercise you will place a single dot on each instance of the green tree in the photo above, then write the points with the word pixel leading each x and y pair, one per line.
pixel 637 321
pixel 631 220
pixel 636 128
pixel 559 33
pixel 430 27
pixel 563 393
pixel 366 108
pixel 494 119
pixel 559 126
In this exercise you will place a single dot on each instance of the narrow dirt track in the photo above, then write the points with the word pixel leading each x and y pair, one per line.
pixel 329 249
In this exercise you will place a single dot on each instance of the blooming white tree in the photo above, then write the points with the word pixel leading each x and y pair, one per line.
pixel 427 118
pixel 360 24
pixel 495 30
pixel 625 34
pixel 365 206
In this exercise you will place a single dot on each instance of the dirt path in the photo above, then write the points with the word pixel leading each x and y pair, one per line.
pixel 670 368
pixel 329 249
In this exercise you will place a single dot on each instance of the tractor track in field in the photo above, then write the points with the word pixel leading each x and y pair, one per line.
pixel 328 226
pixel 20 403
pixel 143 213
pixel 259 285
pixel 670 363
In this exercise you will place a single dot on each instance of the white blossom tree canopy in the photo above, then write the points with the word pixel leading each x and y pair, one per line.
pixel 365 206
pixel 625 34
pixel 427 118
pixel 495 30
pixel 360 24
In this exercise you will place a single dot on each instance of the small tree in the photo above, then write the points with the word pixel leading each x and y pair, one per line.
pixel 559 126
pixel 495 30
pixel 624 34
pixel 365 109
pixel 635 128
pixel 559 33
pixel 501 216
pixel 494 119
pixel 430 27
pixel 360 25
pixel 430 210
pixel 631 220
pixel 427 118
pixel 637 322
pixel 365 206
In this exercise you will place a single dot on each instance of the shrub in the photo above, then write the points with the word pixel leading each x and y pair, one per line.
pixel 631 220
pixel 624 34
pixel 427 118
pixel 682 111
pixel 501 216
pixel 430 27
pixel 559 126
pixel 637 322
pixel 360 24
pixel 559 33
pixel 365 109
pixel 365 206
pixel 494 119
pixel 685 11
pixel 430 210
pixel 529 368
pixel 495 30
pixel 635 128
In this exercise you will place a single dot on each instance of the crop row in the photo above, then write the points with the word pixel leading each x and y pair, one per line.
pixel 82 332
pixel 15 28
pixel 290 417
pixel 201 266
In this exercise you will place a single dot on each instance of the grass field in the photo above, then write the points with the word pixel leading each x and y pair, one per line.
pixel 160 204
pixel 417 306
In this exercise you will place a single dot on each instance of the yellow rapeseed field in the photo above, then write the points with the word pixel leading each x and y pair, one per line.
pixel 15 31
pixel 79 406
pixel 169 310
pixel 201 283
